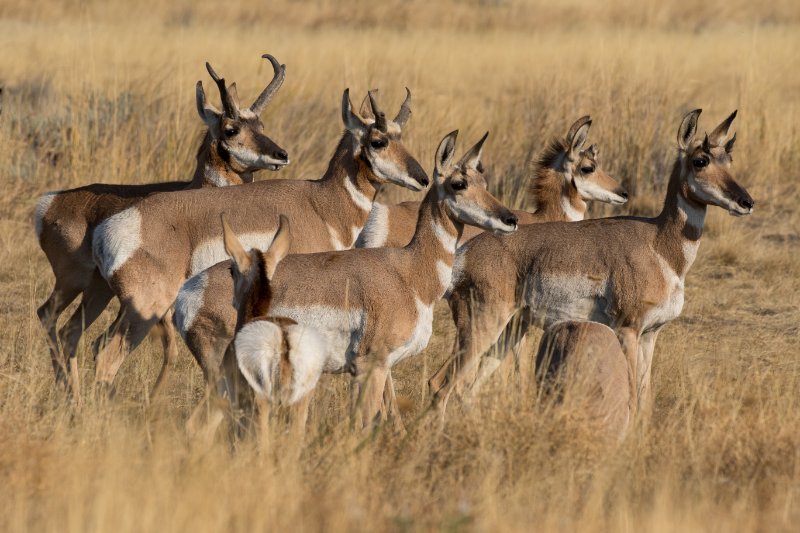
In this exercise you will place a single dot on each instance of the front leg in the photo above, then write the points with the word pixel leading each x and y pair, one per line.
pixel 390 405
pixel 644 367
pixel 369 384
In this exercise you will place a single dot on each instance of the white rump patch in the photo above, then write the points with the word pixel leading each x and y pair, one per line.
pixel 307 356
pixel 420 336
pixel 376 231
pixel 340 330
pixel 42 205
pixel 189 302
pixel 116 239
pixel 212 252
pixel 258 353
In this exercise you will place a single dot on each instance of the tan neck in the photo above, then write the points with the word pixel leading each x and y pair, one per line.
pixel 680 224
pixel 213 168
pixel 434 247
pixel 555 197
pixel 348 190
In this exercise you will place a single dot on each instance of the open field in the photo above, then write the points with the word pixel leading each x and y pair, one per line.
pixel 104 92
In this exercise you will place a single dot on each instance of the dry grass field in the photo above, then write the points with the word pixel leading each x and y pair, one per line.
pixel 100 91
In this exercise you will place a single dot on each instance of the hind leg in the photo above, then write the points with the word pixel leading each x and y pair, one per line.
pixel 63 294
pixel 166 332
pixel 124 336
pixel 95 299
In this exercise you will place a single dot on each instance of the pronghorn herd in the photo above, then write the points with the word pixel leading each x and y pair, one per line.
pixel 273 283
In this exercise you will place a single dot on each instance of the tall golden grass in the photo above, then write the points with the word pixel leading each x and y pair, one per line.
pixel 104 92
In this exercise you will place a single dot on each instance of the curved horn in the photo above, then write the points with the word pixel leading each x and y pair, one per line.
pixel 228 103
pixel 380 117
pixel 720 132
pixel 277 80
pixel 405 110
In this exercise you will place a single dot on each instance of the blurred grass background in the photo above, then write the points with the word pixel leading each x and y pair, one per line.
pixel 104 92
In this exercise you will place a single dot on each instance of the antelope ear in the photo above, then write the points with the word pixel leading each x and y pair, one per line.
pixel 729 144
pixel 688 128
pixel 279 247
pixel 576 136
pixel 234 248
pixel 208 113
pixel 352 122
pixel 472 159
pixel 444 154
pixel 721 131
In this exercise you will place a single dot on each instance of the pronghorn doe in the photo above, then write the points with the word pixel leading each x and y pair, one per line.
pixel 278 358
pixel 565 177
pixel 233 149
pixel 204 315
pixel 374 307
pixel 625 272
pixel 583 365
pixel 148 251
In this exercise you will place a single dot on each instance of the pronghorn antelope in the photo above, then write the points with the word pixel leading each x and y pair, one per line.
pixel 584 365
pixel 204 315
pixel 565 177
pixel 149 250
pixel 233 148
pixel 278 358
pixel 625 272
pixel 374 307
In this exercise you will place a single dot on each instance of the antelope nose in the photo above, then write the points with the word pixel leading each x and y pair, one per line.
pixel 746 202
pixel 281 154
pixel 424 181
pixel 624 194
pixel 510 219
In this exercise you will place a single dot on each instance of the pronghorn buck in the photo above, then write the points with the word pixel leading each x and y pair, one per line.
pixel 148 251
pixel 233 149
pixel 565 177
pixel 374 307
pixel 583 365
pixel 204 315
pixel 625 272
pixel 278 358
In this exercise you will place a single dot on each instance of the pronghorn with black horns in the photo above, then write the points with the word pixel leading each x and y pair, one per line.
pixel 234 147
pixel 148 251
pixel 374 307
pixel 564 178
pixel 204 315
pixel 625 272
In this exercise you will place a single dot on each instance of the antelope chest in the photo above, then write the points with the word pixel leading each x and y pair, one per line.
pixel 669 305
pixel 420 335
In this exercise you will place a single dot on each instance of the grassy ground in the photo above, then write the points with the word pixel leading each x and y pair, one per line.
pixel 104 91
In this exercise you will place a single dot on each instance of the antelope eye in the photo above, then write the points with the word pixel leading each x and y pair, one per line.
pixel 378 143
pixel 458 185
pixel 700 162
pixel 230 132
pixel 587 170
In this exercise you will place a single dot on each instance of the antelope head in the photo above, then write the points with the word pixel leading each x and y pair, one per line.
pixel 706 166
pixel 252 270
pixel 240 132
pixel 581 168
pixel 378 143
pixel 462 188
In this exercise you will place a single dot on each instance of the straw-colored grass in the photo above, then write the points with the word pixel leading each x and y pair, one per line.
pixel 104 92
